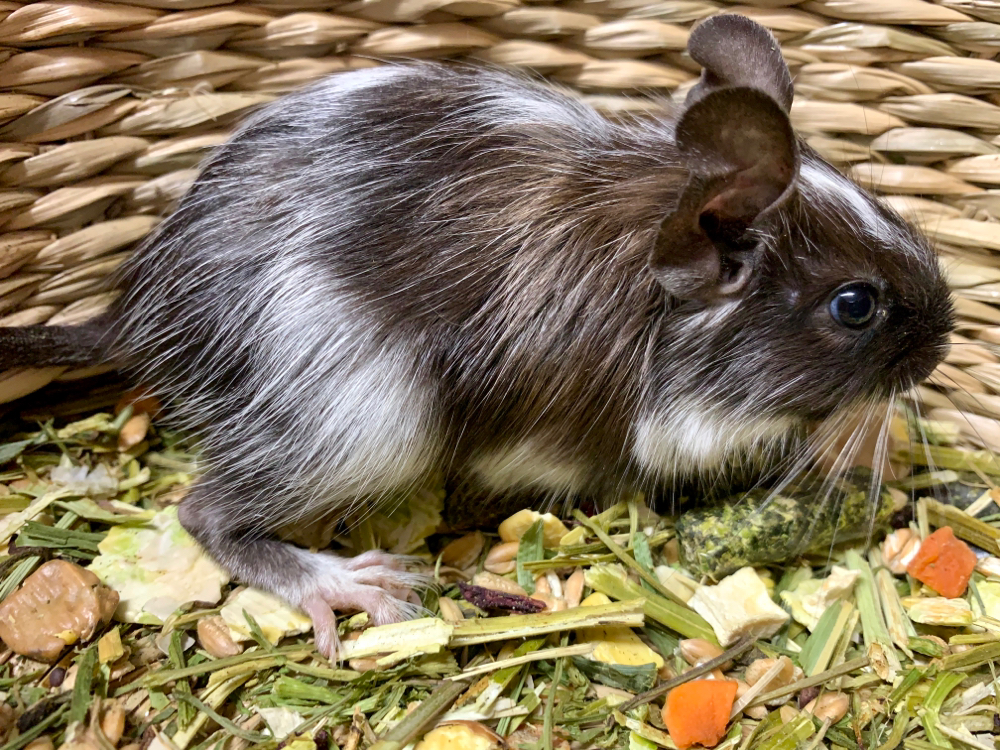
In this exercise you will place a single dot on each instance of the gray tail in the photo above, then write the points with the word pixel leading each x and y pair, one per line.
pixel 50 346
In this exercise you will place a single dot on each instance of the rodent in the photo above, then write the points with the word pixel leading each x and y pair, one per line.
pixel 419 268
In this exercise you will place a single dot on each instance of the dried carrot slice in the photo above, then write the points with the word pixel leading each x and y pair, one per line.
pixel 697 712
pixel 944 563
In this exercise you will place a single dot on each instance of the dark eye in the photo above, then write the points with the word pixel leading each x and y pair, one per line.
pixel 854 305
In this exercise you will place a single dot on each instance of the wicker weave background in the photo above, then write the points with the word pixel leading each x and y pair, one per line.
pixel 106 109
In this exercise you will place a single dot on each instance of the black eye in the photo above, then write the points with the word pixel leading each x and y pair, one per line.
pixel 854 305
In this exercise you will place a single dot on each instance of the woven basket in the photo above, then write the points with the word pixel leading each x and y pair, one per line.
pixel 107 108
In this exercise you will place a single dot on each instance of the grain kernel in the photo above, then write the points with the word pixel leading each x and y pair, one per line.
pixel 113 724
pixel 553 530
pixel 501 559
pixel 573 590
pixel 133 431
pixel 830 707
pixel 464 551
pixel 450 611
pixel 215 638
pixel 760 667
pixel 497 583
pixel 697 651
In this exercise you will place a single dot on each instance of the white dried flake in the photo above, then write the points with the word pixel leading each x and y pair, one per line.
pixel 810 598
pixel 989 566
pixel 96 482
pixel 937 610
pixel 989 594
pixel 275 618
pixel 156 567
pixel 281 721
pixel 738 606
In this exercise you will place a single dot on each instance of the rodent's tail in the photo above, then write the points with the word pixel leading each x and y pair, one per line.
pixel 50 346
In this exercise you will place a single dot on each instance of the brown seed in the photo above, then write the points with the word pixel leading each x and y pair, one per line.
pixel 215 638
pixel 697 651
pixel 40 743
pixel 573 590
pixel 113 723
pixel 830 707
pixel 133 431
pixel 759 667
pixel 542 586
pixel 501 559
pixel 756 712
pixel 787 713
pixel 464 551
pixel 450 611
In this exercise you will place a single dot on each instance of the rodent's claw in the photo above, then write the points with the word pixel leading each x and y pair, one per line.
pixel 379 586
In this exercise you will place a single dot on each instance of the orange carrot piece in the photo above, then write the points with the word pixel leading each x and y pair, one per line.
pixel 697 712
pixel 944 563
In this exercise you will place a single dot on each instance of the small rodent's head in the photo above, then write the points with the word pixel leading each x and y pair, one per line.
pixel 805 293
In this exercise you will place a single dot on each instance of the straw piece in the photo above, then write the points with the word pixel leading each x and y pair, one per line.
pixel 59 70
pixel 977 311
pixel 30 316
pixel 920 210
pixel 39 21
pixel 962 74
pixel 189 69
pixel 986 404
pixel 15 105
pixel 13 199
pixel 170 154
pixel 962 273
pixel 974 36
pixel 784 22
pixel 401 11
pixel 540 56
pixel 987 201
pixel 866 36
pixel 82 310
pixel 840 117
pixel 167 114
pixel 954 110
pixel 70 115
pixel 233 19
pixel 19 287
pixel 544 22
pixel 674 11
pixel 312 34
pixel 618 75
pixel 984 169
pixel 847 83
pixel 72 162
pixel 931 144
pixel 635 36
pixel 901 12
pixel 19 248
pixel 966 352
pixel 91 242
pixel 17 383
pixel 838 150
pixel 613 106
pixel 160 194
pixel 950 378
pixel 988 10
pixel 288 75
pixel 432 40
pixel 65 201
pixel 966 232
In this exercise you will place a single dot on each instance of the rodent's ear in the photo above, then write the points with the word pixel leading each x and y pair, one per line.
pixel 737 52
pixel 742 157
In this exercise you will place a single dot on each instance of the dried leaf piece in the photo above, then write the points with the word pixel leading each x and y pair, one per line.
pixel 156 567
pixel 60 604
pixel 275 618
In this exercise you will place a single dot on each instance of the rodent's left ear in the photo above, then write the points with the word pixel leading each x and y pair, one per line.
pixel 742 160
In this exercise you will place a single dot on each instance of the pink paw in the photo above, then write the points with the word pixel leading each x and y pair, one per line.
pixel 374 582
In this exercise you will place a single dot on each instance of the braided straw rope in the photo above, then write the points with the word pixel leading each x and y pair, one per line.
pixel 106 109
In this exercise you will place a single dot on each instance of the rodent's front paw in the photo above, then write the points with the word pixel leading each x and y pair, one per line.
pixel 374 582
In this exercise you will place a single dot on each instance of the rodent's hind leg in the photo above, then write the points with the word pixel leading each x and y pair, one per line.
pixel 316 582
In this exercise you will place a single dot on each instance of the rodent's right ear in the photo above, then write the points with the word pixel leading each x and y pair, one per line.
pixel 735 51
pixel 742 160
